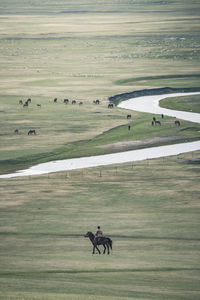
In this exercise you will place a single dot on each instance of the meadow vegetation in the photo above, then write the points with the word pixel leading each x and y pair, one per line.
pixel 74 49
pixel 88 50
pixel 187 103
pixel 150 210
pixel 66 131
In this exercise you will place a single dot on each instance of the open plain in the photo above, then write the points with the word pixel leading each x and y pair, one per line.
pixel 86 50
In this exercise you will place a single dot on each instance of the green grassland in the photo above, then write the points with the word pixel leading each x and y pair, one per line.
pixel 67 131
pixel 85 50
pixel 187 103
pixel 88 50
pixel 150 210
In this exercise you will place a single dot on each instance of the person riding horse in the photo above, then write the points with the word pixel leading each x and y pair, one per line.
pixel 99 234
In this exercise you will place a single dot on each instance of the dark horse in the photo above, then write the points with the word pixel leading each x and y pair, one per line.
pixel 110 105
pixel 158 122
pixel 177 122
pixel 31 131
pixel 105 241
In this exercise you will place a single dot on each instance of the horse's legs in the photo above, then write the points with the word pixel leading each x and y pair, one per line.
pixel 104 251
pixel 93 252
pixel 98 250
pixel 95 247
pixel 108 248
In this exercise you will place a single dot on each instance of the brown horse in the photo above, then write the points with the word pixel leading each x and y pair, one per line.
pixel 96 241
pixel 74 102
pixel 128 116
pixel 16 131
pixel 158 123
pixel 177 122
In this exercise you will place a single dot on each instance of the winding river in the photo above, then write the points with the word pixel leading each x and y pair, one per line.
pixel 149 104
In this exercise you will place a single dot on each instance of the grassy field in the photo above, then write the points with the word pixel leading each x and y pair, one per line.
pixel 187 103
pixel 85 50
pixel 150 210
pixel 88 50
pixel 66 131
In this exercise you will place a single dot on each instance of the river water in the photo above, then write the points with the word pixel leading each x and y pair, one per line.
pixel 143 104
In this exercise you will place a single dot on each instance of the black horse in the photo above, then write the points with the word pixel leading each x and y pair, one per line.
pixel 96 241
pixel 110 105
pixel 31 131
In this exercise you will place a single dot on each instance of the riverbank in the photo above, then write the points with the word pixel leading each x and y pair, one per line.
pixel 151 92
pixel 150 104
pixel 145 104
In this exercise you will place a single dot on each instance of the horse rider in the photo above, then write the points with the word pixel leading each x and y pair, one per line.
pixel 99 234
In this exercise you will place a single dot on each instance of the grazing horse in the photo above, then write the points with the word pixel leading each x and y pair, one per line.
pixel 110 105
pixel 66 101
pixel 20 102
pixel 105 241
pixel 31 131
pixel 177 122
pixel 128 116
pixel 55 100
pixel 16 131
pixel 158 122
pixel 96 101
pixel 74 102
pixel 81 103
pixel 39 105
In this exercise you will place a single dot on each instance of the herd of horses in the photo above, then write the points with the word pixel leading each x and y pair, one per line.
pixel 73 102
pixel 154 121
pixel 55 100
pixel 157 122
